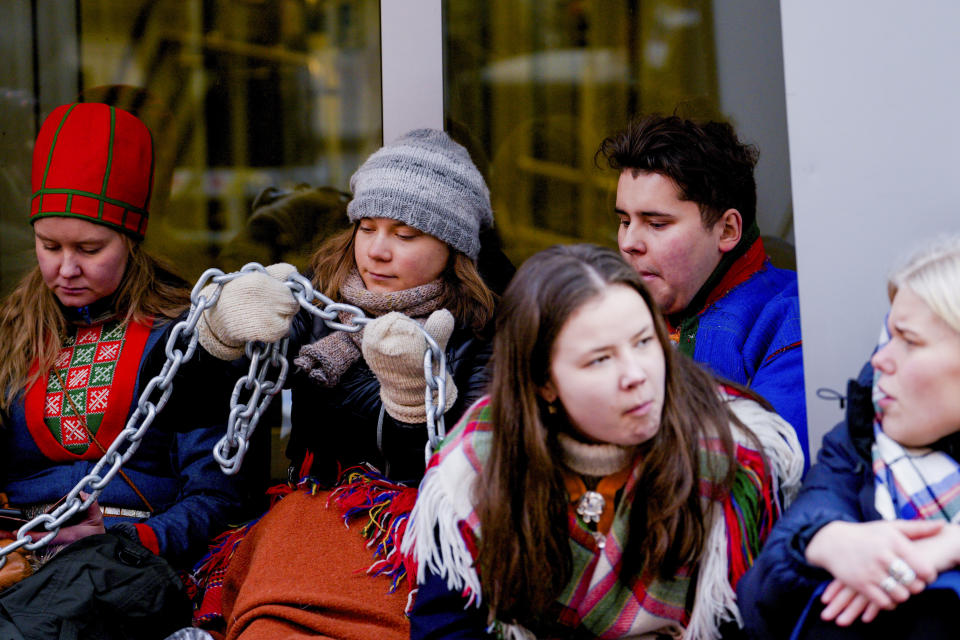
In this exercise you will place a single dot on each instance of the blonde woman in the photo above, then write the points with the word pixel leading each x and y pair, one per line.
pixel 874 533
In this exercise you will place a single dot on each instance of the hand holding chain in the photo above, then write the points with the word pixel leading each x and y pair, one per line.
pixel 231 448
pixel 434 359
pixel 128 440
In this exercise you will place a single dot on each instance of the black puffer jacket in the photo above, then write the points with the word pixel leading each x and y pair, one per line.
pixel 102 586
pixel 341 425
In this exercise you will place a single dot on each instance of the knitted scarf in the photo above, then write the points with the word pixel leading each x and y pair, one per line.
pixel 911 483
pixel 444 527
pixel 330 357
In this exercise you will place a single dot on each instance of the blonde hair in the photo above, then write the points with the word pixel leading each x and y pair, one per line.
pixel 32 325
pixel 933 273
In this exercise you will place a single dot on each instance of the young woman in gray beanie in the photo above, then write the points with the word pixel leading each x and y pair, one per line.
pixel 358 439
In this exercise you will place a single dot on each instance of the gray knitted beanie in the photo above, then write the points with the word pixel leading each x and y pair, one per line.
pixel 425 180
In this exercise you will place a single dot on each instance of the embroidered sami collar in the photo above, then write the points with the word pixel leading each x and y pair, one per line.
pixel 98 365
pixel 735 267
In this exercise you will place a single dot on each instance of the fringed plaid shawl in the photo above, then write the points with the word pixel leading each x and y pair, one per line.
pixel 913 484
pixel 443 528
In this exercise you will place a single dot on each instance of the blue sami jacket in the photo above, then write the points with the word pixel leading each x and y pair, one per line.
pixel 192 499
pixel 747 330
pixel 774 592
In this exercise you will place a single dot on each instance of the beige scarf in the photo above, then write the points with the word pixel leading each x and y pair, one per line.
pixel 329 358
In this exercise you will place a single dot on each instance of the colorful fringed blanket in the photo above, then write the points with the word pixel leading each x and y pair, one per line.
pixel 362 495
pixel 444 527
pixel 385 506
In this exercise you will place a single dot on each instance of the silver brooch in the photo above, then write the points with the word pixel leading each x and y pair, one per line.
pixel 601 542
pixel 590 507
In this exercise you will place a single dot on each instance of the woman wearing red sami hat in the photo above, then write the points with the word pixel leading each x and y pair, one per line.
pixel 84 332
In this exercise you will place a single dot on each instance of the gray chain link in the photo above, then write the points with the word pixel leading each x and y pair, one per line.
pixel 231 448
pixel 435 392
pixel 264 358
pixel 129 438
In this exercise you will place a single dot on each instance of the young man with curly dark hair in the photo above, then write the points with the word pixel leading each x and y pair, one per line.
pixel 686 202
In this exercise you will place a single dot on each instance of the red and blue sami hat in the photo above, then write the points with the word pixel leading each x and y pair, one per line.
pixel 94 162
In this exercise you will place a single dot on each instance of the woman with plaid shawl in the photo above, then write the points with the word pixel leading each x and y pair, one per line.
pixel 606 487
pixel 874 534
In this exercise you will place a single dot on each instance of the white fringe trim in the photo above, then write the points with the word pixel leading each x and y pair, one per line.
pixel 511 631
pixel 434 541
pixel 715 601
pixel 779 440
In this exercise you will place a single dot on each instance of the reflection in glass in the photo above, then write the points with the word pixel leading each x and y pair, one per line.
pixel 539 84
pixel 240 96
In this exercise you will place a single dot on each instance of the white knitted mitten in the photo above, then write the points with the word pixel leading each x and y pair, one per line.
pixel 254 306
pixel 393 347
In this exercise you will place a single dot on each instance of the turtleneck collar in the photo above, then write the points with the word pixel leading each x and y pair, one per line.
pixel 596 460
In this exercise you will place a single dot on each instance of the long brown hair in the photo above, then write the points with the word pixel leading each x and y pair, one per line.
pixel 32 325
pixel 524 555
pixel 465 295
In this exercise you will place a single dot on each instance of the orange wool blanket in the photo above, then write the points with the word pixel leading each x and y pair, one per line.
pixel 301 573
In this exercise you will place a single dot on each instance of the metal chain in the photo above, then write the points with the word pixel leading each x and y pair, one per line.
pixel 231 448
pixel 129 438
pixel 264 358
pixel 434 358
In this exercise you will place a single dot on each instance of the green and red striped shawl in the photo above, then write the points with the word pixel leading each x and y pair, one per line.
pixel 444 527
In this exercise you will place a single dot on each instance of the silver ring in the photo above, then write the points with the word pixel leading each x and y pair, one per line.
pixel 901 572
pixel 889 583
